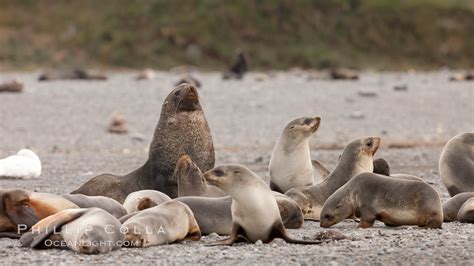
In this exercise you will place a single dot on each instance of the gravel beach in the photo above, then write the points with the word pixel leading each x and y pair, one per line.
pixel 66 123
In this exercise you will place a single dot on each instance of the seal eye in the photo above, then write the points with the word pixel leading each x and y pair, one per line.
pixel 327 216
pixel 369 143
pixel 218 172
pixel 292 127
pixel 176 93
pixel 307 121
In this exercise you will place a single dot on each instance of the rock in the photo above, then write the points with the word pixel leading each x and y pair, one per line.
pixel 357 115
pixel 400 88
pixel 259 243
pixel 118 124
pixel 330 235
pixel 261 77
pixel 367 94
pixel 343 74
pixel 145 74
pixel 11 86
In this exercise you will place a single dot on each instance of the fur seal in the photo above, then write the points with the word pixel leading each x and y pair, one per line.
pixel 356 158
pixel 85 231
pixel 394 201
pixel 145 74
pixel 24 165
pixel 238 66
pixel 167 223
pixel 255 213
pixel 456 164
pixel 182 128
pixel 466 212
pixel 7 227
pixel 144 199
pixel 381 167
pixel 27 208
pixel 452 206
pixel 290 163
pixel 343 74
pixel 70 74
pixel 118 124
pixel 12 86
pixel 214 214
pixel 107 204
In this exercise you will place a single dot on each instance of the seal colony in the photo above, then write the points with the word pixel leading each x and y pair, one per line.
pixel 169 199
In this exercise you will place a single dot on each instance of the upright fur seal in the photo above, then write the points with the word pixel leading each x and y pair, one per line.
pixel 107 204
pixel 394 201
pixel 456 164
pixel 255 214
pixel 238 66
pixel 144 199
pixel 356 158
pixel 452 206
pixel 25 165
pixel 167 223
pixel 290 163
pixel 182 128
pixel 86 231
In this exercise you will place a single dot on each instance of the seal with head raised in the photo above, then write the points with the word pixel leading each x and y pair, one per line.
pixel 356 158
pixel 452 206
pixel 290 163
pixel 456 164
pixel 86 231
pixel 167 223
pixel 394 201
pixel 182 128
pixel 255 213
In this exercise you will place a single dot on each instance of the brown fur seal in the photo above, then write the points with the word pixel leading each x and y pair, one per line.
pixel 394 201
pixel 356 158
pixel 11 86
pixel 466 212
pixel 144 199
pixel 167 223
pixel 238 66
pixel 85 231
pixel 452 206
pixel 70 74
pixel 290 164
pixel 25 208
pixel 255 214
pixel 7 227
pixel 107 204
pixel 456 164
pixel 182 128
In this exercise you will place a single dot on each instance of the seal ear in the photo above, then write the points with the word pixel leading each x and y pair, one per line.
pixel 146 203
pixel 49 225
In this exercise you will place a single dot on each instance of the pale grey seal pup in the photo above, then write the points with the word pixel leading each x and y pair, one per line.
pixel 356 158
pixel 290 164
pixel 452 206
pixel 144 199
pixel 456 164
pixel 394 201
pixel 182 129
pixel 85 231
pixel 166 223
pixel 255 213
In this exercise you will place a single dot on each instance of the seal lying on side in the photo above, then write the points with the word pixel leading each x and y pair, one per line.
pixel 290 163
pixel 167 223
pixel 107 204
pixel 25 208
pixel 182 128
pixel 255 214
pixel 456 164
pixel 25 164
pixel 70 74
pixel 355 159
pixel 466 212
pixel 452 206
pixel 86 231
pixel 394 201
pixel 144 199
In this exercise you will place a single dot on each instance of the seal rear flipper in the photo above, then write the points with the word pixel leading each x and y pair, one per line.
pixel 322 170
pixel 279 231
pixel 11 235
pixel 50 225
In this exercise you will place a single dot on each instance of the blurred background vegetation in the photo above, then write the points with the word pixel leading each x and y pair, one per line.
pixel 276 34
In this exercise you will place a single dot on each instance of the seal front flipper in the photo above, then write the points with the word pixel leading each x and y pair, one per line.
pixel 320 168
pixel 279 231
pixel 11 235
pixel 49 225
pixel 236 232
